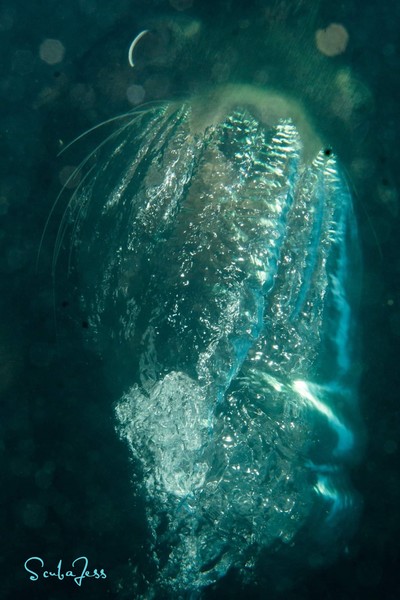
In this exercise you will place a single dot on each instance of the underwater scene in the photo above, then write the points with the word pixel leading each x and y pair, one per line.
pixel 200 307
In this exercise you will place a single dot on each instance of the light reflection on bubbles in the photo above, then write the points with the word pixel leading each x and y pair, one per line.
pixel 51 51
pixel 135 94
pixel 333 40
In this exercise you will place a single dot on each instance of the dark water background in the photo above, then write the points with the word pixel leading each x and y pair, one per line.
pixel 65 477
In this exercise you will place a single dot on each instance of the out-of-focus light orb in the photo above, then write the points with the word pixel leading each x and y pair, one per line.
pixel 333 40
pixel 135 94
pixel 51 51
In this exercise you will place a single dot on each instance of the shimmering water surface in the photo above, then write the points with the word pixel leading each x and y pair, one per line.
pixel 224 254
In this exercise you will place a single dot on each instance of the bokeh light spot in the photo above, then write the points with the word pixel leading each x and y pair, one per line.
pixel 51 51
pixel 135 94
pixel 333 40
